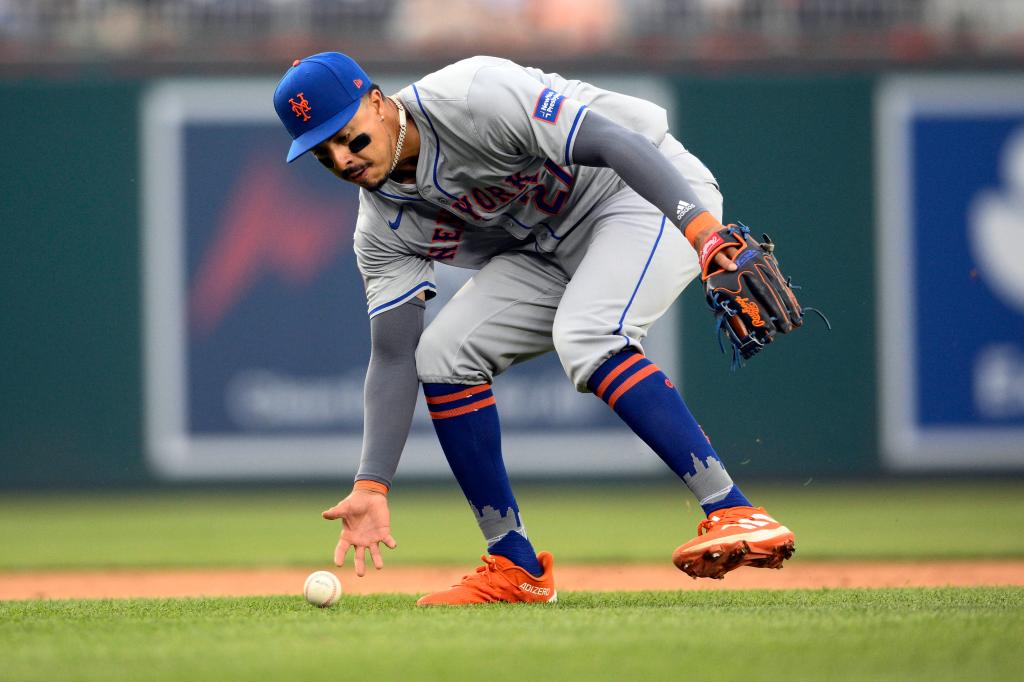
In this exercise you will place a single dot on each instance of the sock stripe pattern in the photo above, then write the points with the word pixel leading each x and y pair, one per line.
pixel 461 400
pixel 632 381
pixel 633 369
pixel 646 400
pixel 614 374
pixel 462 392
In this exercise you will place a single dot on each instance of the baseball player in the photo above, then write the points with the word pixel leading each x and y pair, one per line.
pixel 585 219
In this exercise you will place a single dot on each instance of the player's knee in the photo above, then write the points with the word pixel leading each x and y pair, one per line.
pixel 439 359
pixel 431 358
pixel 577 349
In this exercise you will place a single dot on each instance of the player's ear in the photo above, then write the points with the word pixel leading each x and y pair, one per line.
pixel 376 100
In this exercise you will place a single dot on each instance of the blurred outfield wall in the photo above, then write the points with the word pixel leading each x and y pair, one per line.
pixel 795 156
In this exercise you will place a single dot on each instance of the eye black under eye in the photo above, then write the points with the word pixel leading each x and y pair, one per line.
pixel 359 143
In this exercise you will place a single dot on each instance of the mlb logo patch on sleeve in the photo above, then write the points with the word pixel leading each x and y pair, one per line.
pixel 548 105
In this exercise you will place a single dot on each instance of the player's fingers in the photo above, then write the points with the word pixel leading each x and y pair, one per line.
pixel 332 513
pixel 340 551
pixel 725 262
pixel 378 562
pixel 390 542
pixel 359 560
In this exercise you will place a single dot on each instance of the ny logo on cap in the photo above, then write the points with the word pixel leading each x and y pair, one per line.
pixel 301 108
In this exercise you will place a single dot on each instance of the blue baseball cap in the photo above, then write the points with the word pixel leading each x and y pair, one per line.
pixel 317 97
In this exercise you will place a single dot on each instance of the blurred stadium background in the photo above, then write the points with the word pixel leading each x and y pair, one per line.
pixel 147 36
pixel 180 306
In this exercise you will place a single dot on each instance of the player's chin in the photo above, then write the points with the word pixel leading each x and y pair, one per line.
pixel 373 186
pixel 368 179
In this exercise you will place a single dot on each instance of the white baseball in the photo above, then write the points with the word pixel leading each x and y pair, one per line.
pixel 322 588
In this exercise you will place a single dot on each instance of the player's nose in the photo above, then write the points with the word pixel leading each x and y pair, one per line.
pixel 341 156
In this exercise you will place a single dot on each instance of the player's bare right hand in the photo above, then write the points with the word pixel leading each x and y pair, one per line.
pixel 366 522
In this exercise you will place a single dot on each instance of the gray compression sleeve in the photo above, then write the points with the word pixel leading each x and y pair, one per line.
pixel 389 394
pixel 601 142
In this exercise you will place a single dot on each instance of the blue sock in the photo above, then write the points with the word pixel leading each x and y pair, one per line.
pixel 466 421
pixel 647 401
pixel 519 551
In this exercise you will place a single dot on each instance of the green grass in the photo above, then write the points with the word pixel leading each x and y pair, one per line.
pixel 908 634
pixel 626 523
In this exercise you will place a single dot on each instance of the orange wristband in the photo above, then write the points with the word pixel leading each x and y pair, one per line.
pixel 372 486
pixel 703 221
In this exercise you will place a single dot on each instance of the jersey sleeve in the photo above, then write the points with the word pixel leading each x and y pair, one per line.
pixel 518 114
pixel 391 276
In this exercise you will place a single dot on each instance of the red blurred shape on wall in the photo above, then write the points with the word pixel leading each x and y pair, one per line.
pixel 271 225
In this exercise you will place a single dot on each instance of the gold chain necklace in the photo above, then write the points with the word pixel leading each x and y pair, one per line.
pixel 401 133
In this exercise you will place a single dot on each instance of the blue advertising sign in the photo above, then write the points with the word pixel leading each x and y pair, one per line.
pixel 257 337
pixel 950 229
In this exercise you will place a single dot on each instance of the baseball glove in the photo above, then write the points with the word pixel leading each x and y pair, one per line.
pixel 752 303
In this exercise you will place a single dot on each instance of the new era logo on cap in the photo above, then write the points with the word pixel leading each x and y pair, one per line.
pixel 317 97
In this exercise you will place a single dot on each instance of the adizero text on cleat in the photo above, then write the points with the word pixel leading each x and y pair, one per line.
pixel 499 580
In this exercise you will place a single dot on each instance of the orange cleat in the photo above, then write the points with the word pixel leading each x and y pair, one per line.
pixel 734 537
pixel 498 580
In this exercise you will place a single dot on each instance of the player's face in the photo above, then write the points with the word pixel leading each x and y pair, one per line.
pixel 361 152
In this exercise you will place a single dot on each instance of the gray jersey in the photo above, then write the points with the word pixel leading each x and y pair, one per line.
pixel 570 258
pixel 495 173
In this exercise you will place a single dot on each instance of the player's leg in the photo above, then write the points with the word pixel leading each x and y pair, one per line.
pixel 503 314
pixel 635 265
pixel 633 271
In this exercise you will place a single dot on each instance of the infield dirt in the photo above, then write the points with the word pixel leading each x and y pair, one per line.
pixel 95 584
